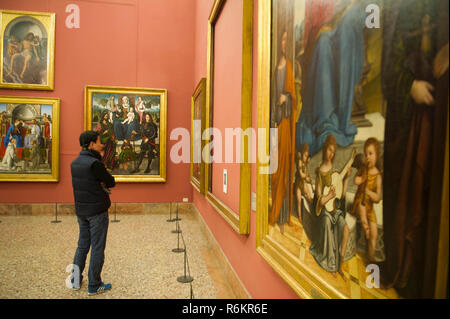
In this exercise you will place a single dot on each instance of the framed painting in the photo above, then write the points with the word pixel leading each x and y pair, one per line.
pixel 27 50
pixel 198 108
pixel 29 148
pixel 132 126
pixel 232 203
pixel 353 100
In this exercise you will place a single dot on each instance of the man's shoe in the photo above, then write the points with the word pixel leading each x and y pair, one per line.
pixel 103 287
pixel 74 287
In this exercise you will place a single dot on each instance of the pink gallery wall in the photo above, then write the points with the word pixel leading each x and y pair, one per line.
pixel 132 43
pixel 260 280
pixel 227 102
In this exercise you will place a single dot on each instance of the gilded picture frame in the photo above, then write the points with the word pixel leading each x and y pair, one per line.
pixel 29 149
pixel 239 221
pixel 132 125
pixel 27 50
pixel 290 256
pixel 198 107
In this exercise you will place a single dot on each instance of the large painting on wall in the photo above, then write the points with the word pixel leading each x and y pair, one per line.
pixel 132 126
pixel 353 206
pixel 27 50
pixel 198 107
pixel 29 149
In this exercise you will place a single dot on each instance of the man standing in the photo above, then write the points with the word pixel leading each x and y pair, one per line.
pixel 90 181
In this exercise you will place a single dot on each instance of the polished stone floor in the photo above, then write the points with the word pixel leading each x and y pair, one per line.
pixel 139 261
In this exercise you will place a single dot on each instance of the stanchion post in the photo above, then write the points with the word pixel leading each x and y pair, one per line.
pixel 185 279
pixel 56 221
pixel 170 220
pixel 178 249
pixel 177 218
pixel 115 212
pixel 177 228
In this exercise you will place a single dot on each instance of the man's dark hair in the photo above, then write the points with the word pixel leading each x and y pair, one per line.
pixel 87 137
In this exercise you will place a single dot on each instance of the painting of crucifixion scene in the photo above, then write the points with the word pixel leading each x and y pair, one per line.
pixel 354 107
pixel 130 128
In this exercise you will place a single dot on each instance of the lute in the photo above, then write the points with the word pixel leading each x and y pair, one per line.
pixel 337 180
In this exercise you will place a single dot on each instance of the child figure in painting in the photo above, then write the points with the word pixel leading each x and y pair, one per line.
pixel 13 46
pixel 130 116
pixel 126 155
pixel 303 179
pixel 369 182
pixel 9 159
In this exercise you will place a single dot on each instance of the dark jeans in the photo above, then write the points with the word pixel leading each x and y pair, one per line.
pixel 93 231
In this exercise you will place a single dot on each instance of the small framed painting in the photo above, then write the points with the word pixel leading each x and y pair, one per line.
pixel 27 50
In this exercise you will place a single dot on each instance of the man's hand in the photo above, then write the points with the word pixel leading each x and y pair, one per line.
pixel 440 64
pixel 421 92
pixel 332 192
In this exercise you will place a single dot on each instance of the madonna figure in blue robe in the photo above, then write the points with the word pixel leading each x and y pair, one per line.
pixel 14 133
pixel 333 63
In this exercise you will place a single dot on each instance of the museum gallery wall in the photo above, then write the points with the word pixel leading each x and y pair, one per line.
pixel 103 52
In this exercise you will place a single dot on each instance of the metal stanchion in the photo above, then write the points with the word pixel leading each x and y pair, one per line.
pixel 56 221
pixel 177 229
pixel 115 211
pixel 177 218
pixel 192 292
pixel 186 278
pixel 178 249
pixel 170 220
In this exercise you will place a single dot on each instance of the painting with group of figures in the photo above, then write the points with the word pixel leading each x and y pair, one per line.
pixel 132 127
pixel 29 139
pixel 359 98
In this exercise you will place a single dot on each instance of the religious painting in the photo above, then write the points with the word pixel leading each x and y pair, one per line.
pixel 29 148
pixel 27 50
pixel 229 87
pixel 132 126
pixel 197 127
pixel 355 95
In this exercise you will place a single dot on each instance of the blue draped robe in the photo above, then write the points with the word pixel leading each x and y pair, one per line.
pixel 335 67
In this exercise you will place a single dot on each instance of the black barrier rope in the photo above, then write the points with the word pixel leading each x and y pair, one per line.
pixel 185 278
pixel 178 249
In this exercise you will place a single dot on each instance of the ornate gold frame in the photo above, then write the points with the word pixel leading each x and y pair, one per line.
pixel 90 89
pixel 199 94
pixel 303 281
pixel 240 223
pixel 54 175
pixel 48 20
